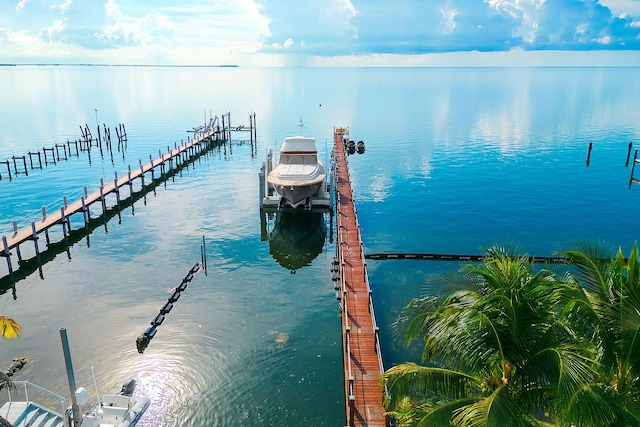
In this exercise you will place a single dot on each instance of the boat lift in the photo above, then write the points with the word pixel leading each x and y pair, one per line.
pixel 271 201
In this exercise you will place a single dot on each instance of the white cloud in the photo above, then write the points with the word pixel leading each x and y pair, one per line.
pixel 448 20
pixel 20 5
pixel 126 30
pixel 53 31
pixel 312 32
pixel 63 7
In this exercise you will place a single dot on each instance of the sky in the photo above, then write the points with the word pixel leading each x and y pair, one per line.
pixel 322 32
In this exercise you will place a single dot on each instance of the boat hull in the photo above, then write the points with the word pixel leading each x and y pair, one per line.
pixel 297 195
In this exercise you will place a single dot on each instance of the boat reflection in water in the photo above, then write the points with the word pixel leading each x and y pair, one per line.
pixel 297 237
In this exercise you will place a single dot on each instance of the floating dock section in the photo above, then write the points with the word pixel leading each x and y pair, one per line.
pixel 360 333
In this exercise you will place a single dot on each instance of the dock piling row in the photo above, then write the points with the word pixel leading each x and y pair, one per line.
pixel 62 151
pixel 202 140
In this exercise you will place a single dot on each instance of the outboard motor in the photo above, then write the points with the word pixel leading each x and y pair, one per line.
pixel 128 387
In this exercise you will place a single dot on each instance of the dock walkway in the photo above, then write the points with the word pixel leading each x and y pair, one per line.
pixel 361 343
pixel 61 216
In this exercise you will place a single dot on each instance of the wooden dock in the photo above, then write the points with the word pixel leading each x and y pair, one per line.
pixel 360 334
pixel 173 157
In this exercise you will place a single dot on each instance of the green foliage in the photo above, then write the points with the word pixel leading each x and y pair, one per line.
pixel 513 345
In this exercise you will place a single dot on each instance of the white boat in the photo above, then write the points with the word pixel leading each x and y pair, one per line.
pixel 113 410
pixel 119 410
pixel 299 174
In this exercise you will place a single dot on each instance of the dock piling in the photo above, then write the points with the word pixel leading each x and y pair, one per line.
pixel 7 254
pixel 15 165
pixel 116 189
pixel 104 203
pixel 34 236
pixel 635 160
pixel 8 169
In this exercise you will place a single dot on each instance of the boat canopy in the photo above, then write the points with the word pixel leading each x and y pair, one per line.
pixel 298 145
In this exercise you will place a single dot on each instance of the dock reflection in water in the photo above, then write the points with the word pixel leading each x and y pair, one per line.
pixel 297 237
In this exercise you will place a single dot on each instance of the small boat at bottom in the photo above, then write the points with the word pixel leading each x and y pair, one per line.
pixel 119 410
pixel 299 174
pixel 113 410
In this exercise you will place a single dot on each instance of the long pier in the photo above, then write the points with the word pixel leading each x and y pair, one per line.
pixel 360 333
pixel 62 216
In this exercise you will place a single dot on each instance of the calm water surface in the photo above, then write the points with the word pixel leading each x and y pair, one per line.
pixel 456 160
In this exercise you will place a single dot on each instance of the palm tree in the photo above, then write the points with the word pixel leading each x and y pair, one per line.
pixel 607 311
pixel 495 349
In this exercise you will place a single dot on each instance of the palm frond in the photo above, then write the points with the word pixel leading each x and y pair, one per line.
pixel 590 406
pixel 496 410
pixel 422 383
pixel 9 328
pixel 442 414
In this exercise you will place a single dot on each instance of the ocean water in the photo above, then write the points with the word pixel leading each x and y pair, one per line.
pixel 456 160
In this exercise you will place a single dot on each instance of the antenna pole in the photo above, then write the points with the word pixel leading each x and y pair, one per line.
pixel 70 376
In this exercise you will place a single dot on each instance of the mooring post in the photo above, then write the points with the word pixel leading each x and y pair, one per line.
pixel 35 237
pixel 153 177
pixel 116 188
pixel 7 254
pixel 64 223
pixel 129 180
pixel 85 211
pixel 589 153
pixel 635 158
pixel 104 203
pixel 262 183
pixel 141 173
pixel 162 170
pixel 8 169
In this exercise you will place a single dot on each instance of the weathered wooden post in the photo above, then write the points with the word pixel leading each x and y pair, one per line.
pixel 141 173
pixel 153 176
pixel 116 188
pixel 64 223
pixel 129 180
pixel 34 235
pixel 7 254
pixel 635 158
pixel 102 198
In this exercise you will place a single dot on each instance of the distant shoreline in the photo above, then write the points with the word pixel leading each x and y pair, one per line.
pixel 122 65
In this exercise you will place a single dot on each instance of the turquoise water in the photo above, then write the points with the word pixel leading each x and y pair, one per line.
pixel 456 160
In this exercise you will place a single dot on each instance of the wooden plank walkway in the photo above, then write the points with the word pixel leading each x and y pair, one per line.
pixel 362 359
pixel 62 215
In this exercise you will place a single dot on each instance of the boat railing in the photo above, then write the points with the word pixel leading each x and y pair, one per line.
pixel 25 391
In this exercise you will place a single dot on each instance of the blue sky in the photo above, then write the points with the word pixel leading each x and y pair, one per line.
pixel 322 32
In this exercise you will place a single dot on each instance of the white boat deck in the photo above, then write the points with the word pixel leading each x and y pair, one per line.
pixel 30 414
